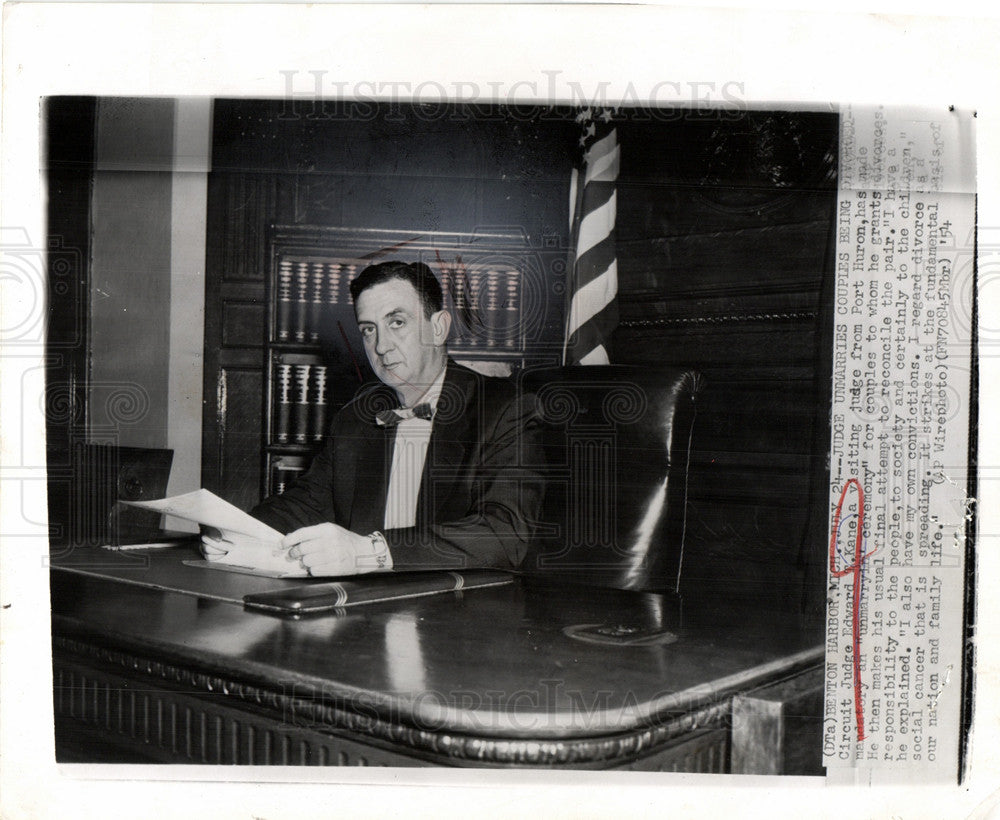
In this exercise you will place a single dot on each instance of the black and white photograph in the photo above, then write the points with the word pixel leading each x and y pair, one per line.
pixel 521 429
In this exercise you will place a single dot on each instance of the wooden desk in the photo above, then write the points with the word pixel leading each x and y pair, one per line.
pixel 487 677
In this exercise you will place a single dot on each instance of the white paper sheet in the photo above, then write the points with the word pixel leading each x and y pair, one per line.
pixel 205 507
pixel 250 543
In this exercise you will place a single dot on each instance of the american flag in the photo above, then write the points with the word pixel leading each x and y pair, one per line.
pixel 593 282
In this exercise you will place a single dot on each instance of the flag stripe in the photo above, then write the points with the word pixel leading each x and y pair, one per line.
pixel 596 356
pixel 595 261
pixel 594 197
pixel 605 145
pixel 603 169
pixel 593 297
pixel 593 334
pixel 574 179
pixel 596 224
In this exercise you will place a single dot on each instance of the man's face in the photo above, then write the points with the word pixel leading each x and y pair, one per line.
pixel 405 348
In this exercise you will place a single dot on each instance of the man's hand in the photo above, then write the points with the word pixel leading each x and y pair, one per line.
pixel 213 545
pixel 327 549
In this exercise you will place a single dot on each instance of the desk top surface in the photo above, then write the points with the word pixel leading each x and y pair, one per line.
pixel 503 661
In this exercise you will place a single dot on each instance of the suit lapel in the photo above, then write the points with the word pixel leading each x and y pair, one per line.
pixel 451 441
pixel 374 456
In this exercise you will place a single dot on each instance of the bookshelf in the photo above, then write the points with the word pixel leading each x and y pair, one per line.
pixel 494 284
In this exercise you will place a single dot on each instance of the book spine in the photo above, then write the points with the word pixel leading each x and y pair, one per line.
pixel 302 403
pixel 319 405
pixel 282 475
pixel 512 321
pixel 301 301
pixel 446 290
pixel 316 305
pixel 333 284
pixel 281 431
pixel 493 321
pixel 474 292
pixel 284 313
pixel 458 297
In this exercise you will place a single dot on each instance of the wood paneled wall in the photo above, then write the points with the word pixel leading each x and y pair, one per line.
pixel 725 258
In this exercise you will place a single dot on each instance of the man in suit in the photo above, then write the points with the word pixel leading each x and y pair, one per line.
pixel 434 467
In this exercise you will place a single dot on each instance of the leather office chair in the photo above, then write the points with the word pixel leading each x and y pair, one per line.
pixel 618 446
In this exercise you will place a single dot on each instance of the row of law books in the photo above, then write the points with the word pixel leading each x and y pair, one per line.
pixel 304 290
pixel 300 402
pixel 486 303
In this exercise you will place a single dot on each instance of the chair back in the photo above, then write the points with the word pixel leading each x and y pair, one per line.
pixel 617 446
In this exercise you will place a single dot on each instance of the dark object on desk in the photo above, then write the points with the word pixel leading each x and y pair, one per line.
pixel 218 566
pixel 618 447
pixel 103 475
pixel 165 570
pixel 312 599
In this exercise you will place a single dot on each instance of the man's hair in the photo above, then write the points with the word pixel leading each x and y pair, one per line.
pixel 422 278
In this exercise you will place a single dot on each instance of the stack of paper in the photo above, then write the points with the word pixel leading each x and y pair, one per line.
pixel 248 542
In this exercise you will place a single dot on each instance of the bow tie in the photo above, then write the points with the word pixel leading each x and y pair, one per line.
pixel 390 418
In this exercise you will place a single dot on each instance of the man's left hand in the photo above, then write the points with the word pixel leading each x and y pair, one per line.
pixel 328 549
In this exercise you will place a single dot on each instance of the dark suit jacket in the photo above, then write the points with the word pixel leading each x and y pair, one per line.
pixel 481 489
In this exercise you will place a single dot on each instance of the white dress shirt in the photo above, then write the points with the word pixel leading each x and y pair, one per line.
pixel 408 457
